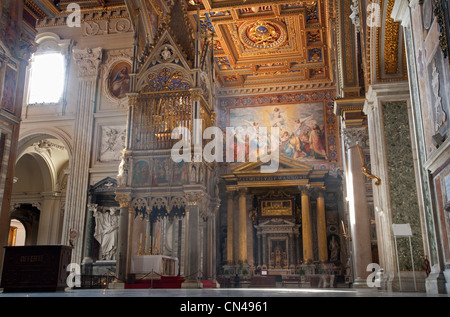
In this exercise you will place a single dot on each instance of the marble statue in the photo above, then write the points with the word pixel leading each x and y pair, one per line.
pixel 106 232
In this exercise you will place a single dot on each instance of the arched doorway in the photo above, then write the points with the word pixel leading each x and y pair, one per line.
pixel 17 233
pixel 40 180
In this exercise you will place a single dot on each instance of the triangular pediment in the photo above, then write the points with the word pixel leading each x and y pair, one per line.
pixel 107 184
pixel 166 51
pixel 289 172
pixel 284 163
pixel 276 222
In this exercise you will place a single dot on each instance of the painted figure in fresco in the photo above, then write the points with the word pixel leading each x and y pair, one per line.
pixel 240 144
pixel 317 142
pixel 141 174
pixel 120 86
pixel 278 118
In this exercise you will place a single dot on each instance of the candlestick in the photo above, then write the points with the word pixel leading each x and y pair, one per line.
pixel 360 154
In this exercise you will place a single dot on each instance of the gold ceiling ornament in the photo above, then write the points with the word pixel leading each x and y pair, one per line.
pixel 262 34
pixel 391 42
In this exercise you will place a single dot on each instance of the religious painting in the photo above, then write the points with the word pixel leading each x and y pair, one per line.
pixel 9 89
pixel 301 130
pixel 276 207
pixel 141 174
pixel 180 173
pixel 119 79
pixel 160 170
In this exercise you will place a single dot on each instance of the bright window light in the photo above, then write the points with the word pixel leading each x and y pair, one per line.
pixel 47 78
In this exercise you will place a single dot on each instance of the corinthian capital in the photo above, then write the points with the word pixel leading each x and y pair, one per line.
pixel 194 198
pixel 88 61
pixel 355 136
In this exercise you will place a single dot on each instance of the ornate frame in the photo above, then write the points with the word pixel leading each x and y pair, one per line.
pixel 442 12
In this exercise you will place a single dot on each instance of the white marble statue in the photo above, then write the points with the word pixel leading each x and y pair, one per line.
pixel 106 232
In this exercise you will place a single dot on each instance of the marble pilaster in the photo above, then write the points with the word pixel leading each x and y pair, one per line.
pixel 358 207
pixel 88 62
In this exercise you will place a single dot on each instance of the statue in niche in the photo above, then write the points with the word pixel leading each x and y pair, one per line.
pixel 106 232
pixel 334 249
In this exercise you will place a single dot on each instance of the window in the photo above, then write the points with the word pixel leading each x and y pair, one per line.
pixel 47 78
pixel 46 74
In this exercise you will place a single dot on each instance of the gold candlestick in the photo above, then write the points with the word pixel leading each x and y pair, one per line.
pixel 365 169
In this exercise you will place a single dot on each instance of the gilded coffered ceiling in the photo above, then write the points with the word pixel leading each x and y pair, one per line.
pixel 263 43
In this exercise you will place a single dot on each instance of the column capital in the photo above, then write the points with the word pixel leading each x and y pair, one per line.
pixel 194 198
pixel 123 200
pixel 242 191
pixel 88 61
pixel 355 136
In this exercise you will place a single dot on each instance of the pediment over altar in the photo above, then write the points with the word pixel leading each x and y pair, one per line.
pixel 279 222
pixel 289 172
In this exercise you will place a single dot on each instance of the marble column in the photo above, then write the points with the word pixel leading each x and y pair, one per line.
pixel 230 228
pixel 359 212
pixel 88 62
pixel 122 243
pixel 306 228
pixel 243 226
pixel 213 239
pixel 264 250
pixel 47 233
pixel 192 244
pixel 322 228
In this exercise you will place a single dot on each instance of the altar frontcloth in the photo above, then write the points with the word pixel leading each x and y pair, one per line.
pixel 157 264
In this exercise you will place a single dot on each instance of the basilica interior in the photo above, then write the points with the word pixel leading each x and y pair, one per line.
pixel 225 144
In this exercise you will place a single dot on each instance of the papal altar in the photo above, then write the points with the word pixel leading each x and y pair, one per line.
pixel 154 264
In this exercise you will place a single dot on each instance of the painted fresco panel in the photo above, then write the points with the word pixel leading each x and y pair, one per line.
pixel 302 130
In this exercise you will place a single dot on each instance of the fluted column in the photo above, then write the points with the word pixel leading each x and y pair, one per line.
pixel 358 207
pixel 230 228
pixel 306 228
pixel 322 228
pixel 243 226
pixel 88 61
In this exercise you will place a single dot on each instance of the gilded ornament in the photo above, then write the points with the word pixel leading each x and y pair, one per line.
pixel 262 34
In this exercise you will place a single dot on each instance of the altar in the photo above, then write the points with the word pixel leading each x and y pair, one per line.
pixel 154 265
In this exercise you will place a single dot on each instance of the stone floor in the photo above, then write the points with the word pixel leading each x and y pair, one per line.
pixel 223 292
